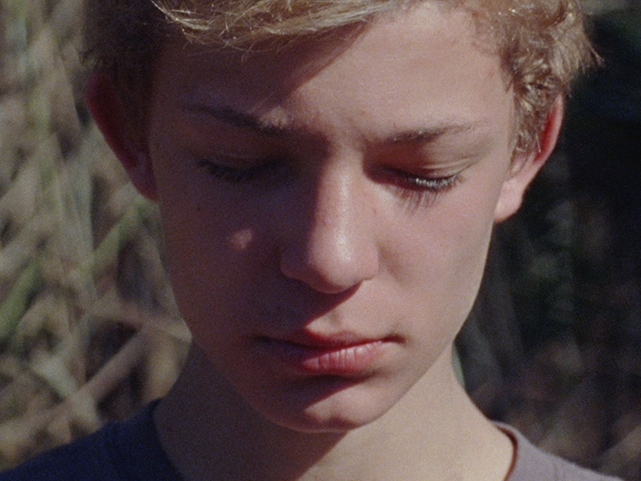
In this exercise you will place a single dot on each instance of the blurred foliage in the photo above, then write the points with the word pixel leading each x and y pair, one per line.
pixel 554 343
pixel 89 331
pixel 88 328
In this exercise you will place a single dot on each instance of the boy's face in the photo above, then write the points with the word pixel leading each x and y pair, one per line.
pixel 327 217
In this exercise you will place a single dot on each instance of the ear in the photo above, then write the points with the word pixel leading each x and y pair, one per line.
pixel 526 165
pixel 106 107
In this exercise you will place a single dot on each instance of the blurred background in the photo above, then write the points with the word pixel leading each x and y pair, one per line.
pixel 89 332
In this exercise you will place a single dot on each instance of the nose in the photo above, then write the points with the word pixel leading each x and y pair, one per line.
pixel 331 244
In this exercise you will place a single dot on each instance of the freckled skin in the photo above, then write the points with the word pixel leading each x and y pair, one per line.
pixel 327 213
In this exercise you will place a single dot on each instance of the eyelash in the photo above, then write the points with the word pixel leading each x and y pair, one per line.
pixel 413 189
pixel 433 184
pixel 235 175
pixel 419 191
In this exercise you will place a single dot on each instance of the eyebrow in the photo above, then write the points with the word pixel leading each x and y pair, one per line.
pixel 238 119
pixel 248 121
pixel 420 136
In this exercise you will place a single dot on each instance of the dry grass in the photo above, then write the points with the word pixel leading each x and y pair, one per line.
pixel 88 328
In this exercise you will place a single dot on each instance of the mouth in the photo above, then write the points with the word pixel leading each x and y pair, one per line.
pixel 339 355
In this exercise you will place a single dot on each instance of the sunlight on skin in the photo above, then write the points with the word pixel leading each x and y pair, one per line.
pixel 241 240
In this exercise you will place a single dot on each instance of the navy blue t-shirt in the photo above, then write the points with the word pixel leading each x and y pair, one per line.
pixel 122 451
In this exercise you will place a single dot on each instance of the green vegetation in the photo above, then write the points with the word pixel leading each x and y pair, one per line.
pixel 89 331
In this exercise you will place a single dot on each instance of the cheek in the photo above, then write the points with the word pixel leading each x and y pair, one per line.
pixel 205 248
pixel 205 251
pixel 439 261
pixel 469 232
pixel 197 217
pixel 210 275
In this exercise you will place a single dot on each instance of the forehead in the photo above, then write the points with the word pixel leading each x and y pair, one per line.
pixel 421 62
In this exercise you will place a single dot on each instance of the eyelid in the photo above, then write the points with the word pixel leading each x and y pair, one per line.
pixel 424 189
pixel 219 169
pixel 428 181
pixel 233 159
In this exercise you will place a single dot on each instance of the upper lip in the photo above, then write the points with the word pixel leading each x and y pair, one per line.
pixel 324 340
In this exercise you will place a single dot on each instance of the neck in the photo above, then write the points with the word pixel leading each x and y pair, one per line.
pixel 432 433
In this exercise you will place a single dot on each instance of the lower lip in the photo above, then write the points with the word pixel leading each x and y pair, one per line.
pixel 341 360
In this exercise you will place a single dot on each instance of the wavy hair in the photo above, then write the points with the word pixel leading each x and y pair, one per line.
pixel 542 43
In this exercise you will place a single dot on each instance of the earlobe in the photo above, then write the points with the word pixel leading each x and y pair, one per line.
pixel 109 114
pixel 528 165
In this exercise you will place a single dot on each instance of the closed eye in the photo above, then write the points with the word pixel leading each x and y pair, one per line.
pixel 420 190
pixel 238 175
pixel 433 184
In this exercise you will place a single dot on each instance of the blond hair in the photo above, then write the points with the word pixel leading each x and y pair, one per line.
pixel 542 43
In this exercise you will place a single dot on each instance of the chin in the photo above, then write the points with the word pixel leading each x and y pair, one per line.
pixel 330 423
pixel 349 408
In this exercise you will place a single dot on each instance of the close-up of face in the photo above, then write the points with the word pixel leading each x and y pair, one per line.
pixel 327 209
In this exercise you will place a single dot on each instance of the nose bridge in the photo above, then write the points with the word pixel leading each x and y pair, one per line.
pixel 334 248
pixel 333 215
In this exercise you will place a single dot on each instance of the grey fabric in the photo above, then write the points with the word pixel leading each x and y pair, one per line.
pixel 533 464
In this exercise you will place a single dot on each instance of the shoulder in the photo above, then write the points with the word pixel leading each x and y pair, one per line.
pixel 82 460
pixel 533 464
pixel 121 451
